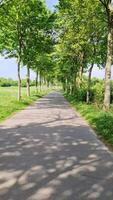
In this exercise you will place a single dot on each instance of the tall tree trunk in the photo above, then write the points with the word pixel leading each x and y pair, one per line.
pixel 64 84
pixel 81 69
pixel 80 76
pixel 19 82
pixel 37 80
pixel 89 84
pixel 40 81
pixel 108 69
pixel 68 85
pixel 28 81
pixel 75 77
pixel 48 83
pixel 73 88
pixel 44 80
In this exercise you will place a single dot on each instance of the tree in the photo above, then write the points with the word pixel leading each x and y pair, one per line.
pixel 109 15
pixel 81 41
pixel 23 33
pixel 13 29
pixel 96 51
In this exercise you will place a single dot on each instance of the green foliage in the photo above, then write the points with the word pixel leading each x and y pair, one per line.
pixel 80 94
pixel 98 92
pixel 101 121
pixel 7 82
pixel 27 34
pixel 23 83
pixel 82 39
pixel 104 125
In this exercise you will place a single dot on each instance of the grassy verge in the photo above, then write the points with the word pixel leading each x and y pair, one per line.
pixel 101 121
pixel 9 103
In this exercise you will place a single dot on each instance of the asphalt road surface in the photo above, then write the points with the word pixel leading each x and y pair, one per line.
pixel 48 152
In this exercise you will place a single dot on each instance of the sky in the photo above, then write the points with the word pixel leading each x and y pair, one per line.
pixel 8 67
pixel 51 3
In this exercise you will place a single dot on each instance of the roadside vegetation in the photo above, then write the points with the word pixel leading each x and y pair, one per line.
pixel 100 120
pixel 26 35
pixel 9 103
pixel 86 42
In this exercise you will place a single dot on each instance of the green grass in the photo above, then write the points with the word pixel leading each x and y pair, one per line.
pixel 101 121
pixel 9 103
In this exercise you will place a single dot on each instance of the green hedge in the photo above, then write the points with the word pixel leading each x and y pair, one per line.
pixel 9 82
pixel 96 93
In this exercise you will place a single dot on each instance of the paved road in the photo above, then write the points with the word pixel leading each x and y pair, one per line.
pixel 47 152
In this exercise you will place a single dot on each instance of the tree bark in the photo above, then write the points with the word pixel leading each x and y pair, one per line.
pixel 19 82
pixel 107 93
pixel 64 85
pixel 73 84
pixel 81 69
pixel 37 80
pixel 48 83
pixel 40 81
pixel 109 11
pixel 28 81
pixel 44 80
pixel 19 29
pixel 89 84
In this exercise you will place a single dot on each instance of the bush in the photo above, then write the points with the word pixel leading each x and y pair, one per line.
pixel 23 83
pixel 80 94
pixel 98 92
pixel 104 125
pixel 101 121
pixel 7 82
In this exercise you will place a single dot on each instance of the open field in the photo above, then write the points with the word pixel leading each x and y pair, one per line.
pixel 9 103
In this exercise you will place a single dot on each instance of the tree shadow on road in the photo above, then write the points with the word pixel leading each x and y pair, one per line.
pixel 47 161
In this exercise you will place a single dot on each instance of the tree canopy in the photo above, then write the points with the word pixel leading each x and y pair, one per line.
pixel 61 45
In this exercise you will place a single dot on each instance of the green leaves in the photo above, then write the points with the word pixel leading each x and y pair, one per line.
pixel 81 30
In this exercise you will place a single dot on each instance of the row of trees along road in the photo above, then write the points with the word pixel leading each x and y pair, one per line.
pixel 86 38
pixel 78 35
pixel 26 34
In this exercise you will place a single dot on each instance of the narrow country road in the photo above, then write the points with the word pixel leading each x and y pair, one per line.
pixel 47 152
